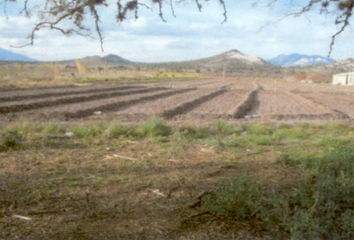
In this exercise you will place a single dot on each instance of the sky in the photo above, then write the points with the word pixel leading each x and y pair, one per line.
pixel 252 29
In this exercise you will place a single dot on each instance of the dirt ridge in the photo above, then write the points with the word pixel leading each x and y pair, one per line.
pixel 64 93
pixel 249 105
pixel 188 106
pixel 308 116
pixel 123 104
pixel 61 101
pixel 339 114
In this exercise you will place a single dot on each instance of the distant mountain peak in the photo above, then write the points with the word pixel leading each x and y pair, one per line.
pixel 97 60
pixel 237 55
pixel 6 55
pixel 299 60
pixel 116 59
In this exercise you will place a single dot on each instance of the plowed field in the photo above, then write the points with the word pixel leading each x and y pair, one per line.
pixel 181 100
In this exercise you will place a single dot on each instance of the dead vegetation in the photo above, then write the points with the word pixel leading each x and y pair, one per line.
pixel 109 180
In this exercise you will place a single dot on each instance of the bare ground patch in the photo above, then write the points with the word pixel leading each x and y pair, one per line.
pixel 120 190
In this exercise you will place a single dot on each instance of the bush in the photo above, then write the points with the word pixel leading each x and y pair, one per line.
pixel 321 207
pixel 238 199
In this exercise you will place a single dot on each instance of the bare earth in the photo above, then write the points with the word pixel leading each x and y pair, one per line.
pixel 195 100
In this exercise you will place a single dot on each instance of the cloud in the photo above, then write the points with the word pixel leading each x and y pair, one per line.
pixel 189 36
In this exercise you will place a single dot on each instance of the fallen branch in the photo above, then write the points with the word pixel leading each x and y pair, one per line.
pixel 157 192
pixel 199 214
pixel 122 157
pixel 22 217
pixel 199 199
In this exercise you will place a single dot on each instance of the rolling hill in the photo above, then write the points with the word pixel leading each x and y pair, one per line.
pixel 230 61
pixel 346 65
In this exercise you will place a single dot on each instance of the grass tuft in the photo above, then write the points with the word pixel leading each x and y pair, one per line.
pixel 10 141
pixel 154 127
pixel 86 131
pixel 121 130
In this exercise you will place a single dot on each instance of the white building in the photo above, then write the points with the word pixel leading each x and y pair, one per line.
pixel 344 79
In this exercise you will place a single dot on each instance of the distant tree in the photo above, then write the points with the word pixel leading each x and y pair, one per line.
pixel 53 13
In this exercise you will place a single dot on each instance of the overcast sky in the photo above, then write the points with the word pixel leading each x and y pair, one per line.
pixel 191 35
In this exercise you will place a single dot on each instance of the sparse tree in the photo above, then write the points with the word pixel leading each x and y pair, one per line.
pixel 54 14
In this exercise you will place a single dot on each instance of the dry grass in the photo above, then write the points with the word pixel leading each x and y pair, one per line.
pixel 46 74
pixel 113 181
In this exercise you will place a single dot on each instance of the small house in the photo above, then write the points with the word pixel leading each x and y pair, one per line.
pixel 344 79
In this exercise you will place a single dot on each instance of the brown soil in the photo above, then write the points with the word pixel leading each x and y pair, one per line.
pixel 180 100
pixel 70 191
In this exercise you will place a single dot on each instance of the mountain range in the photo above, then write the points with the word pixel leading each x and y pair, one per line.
pixel 299 60
pixel 6 55
pixel 232 61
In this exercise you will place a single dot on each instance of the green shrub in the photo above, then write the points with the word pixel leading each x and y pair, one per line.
pixel 332 141
pixel 220 126
pixel 84 131
pixel 10 140
pixel 195 132
pixel 237 199
pixel 298 158
pixel 154 127
pixel 289 133
pixel 260 129
pixel 321 207
pixel 259 139
pixel 116 131
pixel 52 128
pixel 224 129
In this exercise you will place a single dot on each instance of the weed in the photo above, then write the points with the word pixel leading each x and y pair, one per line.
pixel 224 129
pixel 82 131
pixel 154 127
pixel 260 129
pixel 237 199
pixel 10 140
pixel 297 158
pixel 220 126
pixel 22 129
pixel 52 128
pixel 289 133
pixel 332 141
pixel 195 133
pixel 118 130
pixel 319 208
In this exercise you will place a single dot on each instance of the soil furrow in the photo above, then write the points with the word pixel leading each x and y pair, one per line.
pixel 61 101
pixel 309 116
pixel 223 106
pixel 248 106
pixel 341 103
pixel 123 104
pixel 188 106
pixel 339 114
pixel 65 93
pixel 35 88
pixel 145 110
